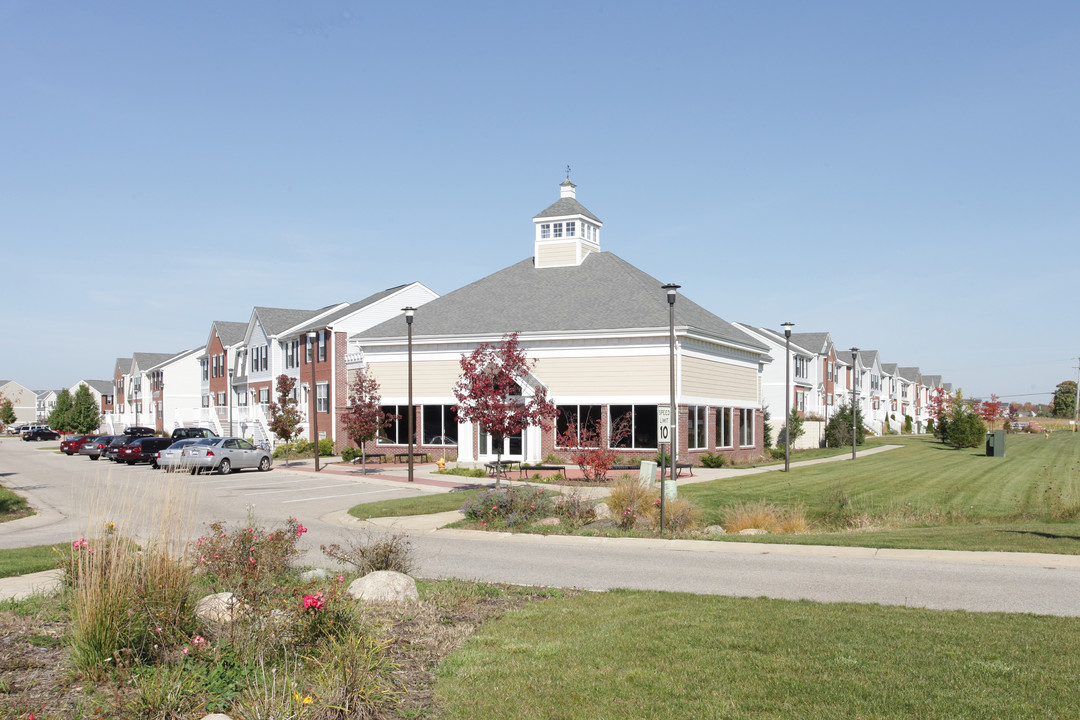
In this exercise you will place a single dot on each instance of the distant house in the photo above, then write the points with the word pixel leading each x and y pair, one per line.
pixel 45 403
pixel 23 400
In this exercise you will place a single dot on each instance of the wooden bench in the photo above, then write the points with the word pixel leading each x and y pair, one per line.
pixel 404 456
pixel 503 469
pixel 526 470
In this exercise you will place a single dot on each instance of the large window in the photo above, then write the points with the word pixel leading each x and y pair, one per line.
pixel 322 397
pixel 746 427
pixel 440 425
pixel 577 418
pixel 696 425
pixel 396 431
pixel 264 396
pixel 723 427
pixel 322 346
pixel 641 420
pixel 801 366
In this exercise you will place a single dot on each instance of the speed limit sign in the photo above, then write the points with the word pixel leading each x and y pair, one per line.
pixel 663 422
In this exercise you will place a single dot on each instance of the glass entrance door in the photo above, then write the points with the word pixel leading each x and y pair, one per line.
pixel 513 447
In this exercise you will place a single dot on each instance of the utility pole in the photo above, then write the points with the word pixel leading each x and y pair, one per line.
pixel 1076 408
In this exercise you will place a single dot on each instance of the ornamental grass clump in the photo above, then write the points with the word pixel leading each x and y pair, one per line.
pixel 508 507
pixel 372 552
pixel 762 515
pixel 631 501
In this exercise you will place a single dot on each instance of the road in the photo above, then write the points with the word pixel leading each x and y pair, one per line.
pixel 75 495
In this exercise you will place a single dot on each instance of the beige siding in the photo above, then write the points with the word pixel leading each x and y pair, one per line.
pixel 430 379
pixel 639 375
pixel 702 378
pixel 558 254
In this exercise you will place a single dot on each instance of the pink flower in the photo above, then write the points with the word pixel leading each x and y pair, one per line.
pixel 300 529
pixel 80 543
pixel 314 603
pixel 341 578
pixel 184 651
pixel 199 641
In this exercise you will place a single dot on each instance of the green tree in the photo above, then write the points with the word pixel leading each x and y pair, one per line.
pixel 60 417
pixel 795 423
pixel 1065 399
pixel 85 414
pixel 7 412
pixel 966 429
pixel 838 429
pixel 766 428
pixel 284 415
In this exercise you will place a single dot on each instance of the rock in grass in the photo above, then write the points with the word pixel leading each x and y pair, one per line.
pixel 546 522
pixel 715 530
pixel 223 607
pixel 602 511
pixel 314 574
pixel 384 586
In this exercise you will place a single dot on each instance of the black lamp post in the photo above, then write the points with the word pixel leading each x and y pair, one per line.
pixel 787 395
pixel 854 394
pixel 314 399
pixel 671 289
pixel 409 312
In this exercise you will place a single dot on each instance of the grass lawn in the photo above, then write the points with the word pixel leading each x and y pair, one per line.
pixel 419 505
pixel 23 561
pixel 926 495
pixel 13 506
pixel 657 655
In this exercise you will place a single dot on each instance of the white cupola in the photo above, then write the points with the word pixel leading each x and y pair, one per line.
pixel 566 232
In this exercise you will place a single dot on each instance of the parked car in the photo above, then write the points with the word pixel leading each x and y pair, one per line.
pixel 74 443
pixel 140 431
pixel 143 449
pixel 113 448
pixel 23 428
pixel 96 446
pixel 192 432
pixel 41 434
pixel 171 458
pixel 225 455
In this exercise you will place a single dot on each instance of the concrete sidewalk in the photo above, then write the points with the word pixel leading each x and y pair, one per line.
pixel 21 587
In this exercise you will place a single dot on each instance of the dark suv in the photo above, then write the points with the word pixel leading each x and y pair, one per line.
pixel 113 448
pixel 139 431
pixel 186 433
pixel 144 449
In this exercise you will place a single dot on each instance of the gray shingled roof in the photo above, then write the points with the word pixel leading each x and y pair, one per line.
pixel 778 336
pixel 603 293
pixel 349 309
pixel 230 332
pixel 145 361
pixel 867 357
pixel 566 206
pixel 910 373
pixel 105 387
pixel 277 320
pixel 817 342
pixel 931 380
pixel 889 368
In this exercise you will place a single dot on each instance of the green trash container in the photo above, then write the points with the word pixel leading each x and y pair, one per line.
pixel 995 444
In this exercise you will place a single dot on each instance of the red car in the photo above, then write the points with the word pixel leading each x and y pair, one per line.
pixel 73 444
pixel 144 449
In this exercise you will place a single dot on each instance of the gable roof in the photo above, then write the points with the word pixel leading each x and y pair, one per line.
pixel 349 309
pixel 603 293
pixel 277 320
pixel 145 361
pixel 889 368
pixel 817 342
pixel 105 387
pixel 229 332
pixel 910 373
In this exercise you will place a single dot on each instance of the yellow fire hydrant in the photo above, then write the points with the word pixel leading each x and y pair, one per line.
pixel 441 463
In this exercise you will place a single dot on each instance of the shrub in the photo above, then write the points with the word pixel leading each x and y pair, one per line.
pixel 463 472
pixel 908 424
pixel 680 515
pixel 508 507
pixel 350 453
pixel 713 460
pixel 630 501
pixel 374 552
pixel 777 453
pixel 838 429
pixel 966 429
pixel 248 560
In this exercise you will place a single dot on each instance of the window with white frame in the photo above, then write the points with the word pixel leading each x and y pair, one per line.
pixel 802 366
pixel 322 397
pixel 576 421
pixel 205 401
pixel 800 400
pixel 221 398
pixel 264 396
pixel 746 427
pixel 828 399
pixel 242 399
pixel 697 427
pixel 322 345
pixel 439 425
pixel 265 352
pixel 396 431
pixel 205 368
pixel 309 345
pixel 545 231
pixel 557 230
pixel 723 427
pixel 641 422
pixel 570 229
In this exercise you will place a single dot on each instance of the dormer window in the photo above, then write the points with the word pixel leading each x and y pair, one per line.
pixel 545 231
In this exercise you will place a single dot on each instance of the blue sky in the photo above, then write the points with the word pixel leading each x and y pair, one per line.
pixel 902 175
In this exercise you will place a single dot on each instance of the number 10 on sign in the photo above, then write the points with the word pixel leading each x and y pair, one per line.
pixel 663 422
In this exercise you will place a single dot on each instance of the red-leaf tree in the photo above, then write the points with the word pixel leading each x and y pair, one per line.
pixel 587 448
pixel 364 417
pixel 284 415
pixel 489 393
pixel 990 410
pixel 938 409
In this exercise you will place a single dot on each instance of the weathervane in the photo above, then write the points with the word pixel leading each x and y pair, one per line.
pixel 567 172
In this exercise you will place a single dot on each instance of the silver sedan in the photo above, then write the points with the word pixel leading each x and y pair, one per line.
pixel 170 458
pixel 224 455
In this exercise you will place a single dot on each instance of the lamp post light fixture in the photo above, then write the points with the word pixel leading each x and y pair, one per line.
pixel 672 293
pixel 409 312
pixel 230 401
pixel 787 395
pixel 313 396
pixel 854 394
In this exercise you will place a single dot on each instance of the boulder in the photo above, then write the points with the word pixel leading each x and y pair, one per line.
pixel 547 521
pixel 223 607
pixel 715 530
pixel 602 511
pixel 314 574
pixel 384 586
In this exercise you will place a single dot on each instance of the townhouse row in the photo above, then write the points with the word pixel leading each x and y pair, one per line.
pixel 596 326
